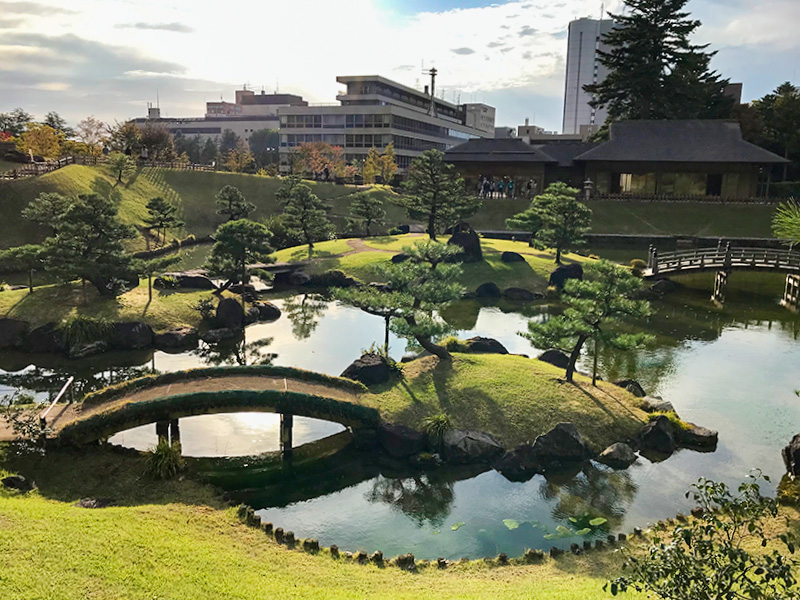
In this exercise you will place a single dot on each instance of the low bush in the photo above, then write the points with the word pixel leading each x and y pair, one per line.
pixel 80 330
pixel 673 418
pixel 453 344
pixel 165 461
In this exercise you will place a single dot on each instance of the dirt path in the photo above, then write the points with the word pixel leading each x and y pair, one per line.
pixel 64 414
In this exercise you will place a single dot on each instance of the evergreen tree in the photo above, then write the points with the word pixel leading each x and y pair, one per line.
pixel 208 154
pixel 421 286
pixel 27 258
pixel 305 215
pixel 89 246
pixel 54 120
pixel 654 71
pixel 15 122
pixel 564 219
pixel 240 158
pixel 232 203
pixel 121 165
pixel 238 244
pixel 366 210
pixel 153 266
pixel 227 142
pixel 779 112
pixel 47 209
pixel 786 222
pixel 161 217
pixel 594 307
pixel 529 220
pixel 386 305
pixel 436 193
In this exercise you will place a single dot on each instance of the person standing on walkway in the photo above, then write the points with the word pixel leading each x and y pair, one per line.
pixel 510 188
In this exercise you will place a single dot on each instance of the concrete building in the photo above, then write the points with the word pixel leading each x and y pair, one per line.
pixel 374 111
pixel 250 112
pixel 583 68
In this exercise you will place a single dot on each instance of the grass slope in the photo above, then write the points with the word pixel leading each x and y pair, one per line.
pixel 177 541
pixel 511 397
pixel 56 303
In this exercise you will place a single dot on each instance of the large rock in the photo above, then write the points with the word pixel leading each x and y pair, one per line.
pixel 485 345
pixel 215 336
pixel 230 314
pixel 370 369
pixel 299 278
pixel 400 441
pixel 470 244
pixel 267 311
pixel 488 290
pixel 44 339
pixel 659 436
pixel 17 482
pixel 791 456
pixel 617 456
pixel 697 438
pixel 252 315
pixel 653 404
pixel 512 257
pixel 182 338
pixel 89 349
pixel 632 386
pixel 560 447
pixel 333 278
pixel 131 335
pixel 519 464
pixel 398 258
pixel 460 446
pixel 516 294
pixel 555 357
pixel 564 272
pixel 188 279
pixel 12 332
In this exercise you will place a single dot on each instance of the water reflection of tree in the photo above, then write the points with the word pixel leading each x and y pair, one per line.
pixel 304 312
pixel 421 498
pixel 237 352
pixel 45 380
pixel 593 491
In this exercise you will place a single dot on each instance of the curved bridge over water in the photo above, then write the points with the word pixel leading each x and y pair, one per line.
pixel 725 259
pixel 164 400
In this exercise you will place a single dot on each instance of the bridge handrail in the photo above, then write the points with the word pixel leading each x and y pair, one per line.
pixel 43 415
pixel 725 257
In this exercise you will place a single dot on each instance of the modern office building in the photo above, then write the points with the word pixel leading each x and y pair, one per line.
pixel 250 112
pixel 374 111
pixel 583 68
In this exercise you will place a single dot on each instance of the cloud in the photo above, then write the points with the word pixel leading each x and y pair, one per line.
pixel 10 23
pixel 462 51
pixel 527 55
pixel 762 24
pixel 175 27
pixel 494 44
pixel 527 30
pixel 404 68
pixel 32 8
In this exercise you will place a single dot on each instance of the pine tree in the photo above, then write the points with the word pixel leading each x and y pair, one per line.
pixel 366 209
pixel 236 245
pixel 121 165
pixel 29 258
pixel 529 221
pixel 47 209
pixel 655 72
pixel 436 193
pixel 89 246
pixel 564 219
pixel 161 216
pixel 232 203
pixel 306 216
pixel 151 267
pixel 594 307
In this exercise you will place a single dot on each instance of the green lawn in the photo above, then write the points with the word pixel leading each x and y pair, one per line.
pixel 169 308
pixel 177 541
pixel 512 397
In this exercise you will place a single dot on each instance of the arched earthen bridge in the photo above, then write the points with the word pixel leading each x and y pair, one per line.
pixel 168 397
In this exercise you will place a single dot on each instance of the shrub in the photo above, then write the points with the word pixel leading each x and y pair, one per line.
pixel 453 344
pixel 395 231
pixel 435 426
pixel 168 282
pixel 637 266
pixel 165 460
pixel 80 330
pixel 206 308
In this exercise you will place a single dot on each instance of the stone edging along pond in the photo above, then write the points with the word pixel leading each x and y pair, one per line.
pixel 248 516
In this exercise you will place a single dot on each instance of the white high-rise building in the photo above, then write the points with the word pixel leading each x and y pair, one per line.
pixel 583 68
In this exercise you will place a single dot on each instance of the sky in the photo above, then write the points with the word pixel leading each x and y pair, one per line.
pixel 109 58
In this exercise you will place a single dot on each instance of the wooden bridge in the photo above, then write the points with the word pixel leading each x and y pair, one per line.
pixel 723 260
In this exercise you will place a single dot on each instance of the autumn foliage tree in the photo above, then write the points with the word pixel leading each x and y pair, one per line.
pixel 41 140
pixel 316 157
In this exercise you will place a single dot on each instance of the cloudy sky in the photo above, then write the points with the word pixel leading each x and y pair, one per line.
pixel 110 57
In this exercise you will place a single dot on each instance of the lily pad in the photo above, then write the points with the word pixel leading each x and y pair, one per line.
pixel 584 531
pixel 511 524
pixel 457 526
pixel 596 522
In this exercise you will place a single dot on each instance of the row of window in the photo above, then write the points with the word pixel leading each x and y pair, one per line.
pixel 369 122
pixel 291 140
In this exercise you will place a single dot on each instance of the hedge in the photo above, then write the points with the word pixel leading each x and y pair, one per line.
pixel 120 389
pixel 104 424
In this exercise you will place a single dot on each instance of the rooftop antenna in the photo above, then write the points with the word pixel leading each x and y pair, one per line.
pixel 432 72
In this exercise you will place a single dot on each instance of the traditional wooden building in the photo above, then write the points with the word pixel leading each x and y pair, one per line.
pixel 652 159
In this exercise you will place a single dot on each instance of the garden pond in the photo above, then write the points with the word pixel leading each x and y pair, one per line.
pixel 734 369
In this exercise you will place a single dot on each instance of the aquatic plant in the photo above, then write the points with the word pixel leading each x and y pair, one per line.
pixel 165 461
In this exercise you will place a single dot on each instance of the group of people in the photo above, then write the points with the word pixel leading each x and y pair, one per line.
pixel 503 187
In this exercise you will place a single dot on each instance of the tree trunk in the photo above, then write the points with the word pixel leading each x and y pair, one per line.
pixel 30 281
pixel 432 226
pixel 594 366
pixel 558 255
pixel 435 349
pixel 573 357
pixel 386 335
pixel 149 287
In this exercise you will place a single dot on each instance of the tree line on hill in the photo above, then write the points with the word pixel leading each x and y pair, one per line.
pixel 656 72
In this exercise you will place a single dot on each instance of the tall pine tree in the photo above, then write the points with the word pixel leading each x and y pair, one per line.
pixel 655 72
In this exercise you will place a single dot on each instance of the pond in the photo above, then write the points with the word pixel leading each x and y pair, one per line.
pixel 733 369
